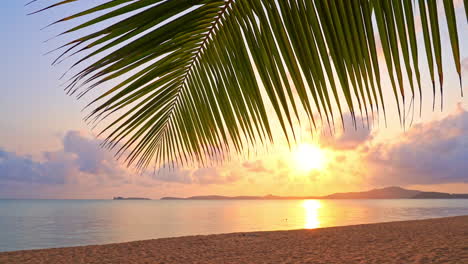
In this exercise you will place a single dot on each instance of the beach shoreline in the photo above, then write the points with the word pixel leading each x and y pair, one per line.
pixel 436 240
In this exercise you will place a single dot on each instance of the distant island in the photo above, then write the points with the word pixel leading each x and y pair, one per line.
pixel 130 198
pixel 383 193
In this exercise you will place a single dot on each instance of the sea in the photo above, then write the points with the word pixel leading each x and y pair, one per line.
pixel 34 224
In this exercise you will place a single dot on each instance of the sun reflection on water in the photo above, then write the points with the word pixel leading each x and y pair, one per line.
pixel 312 208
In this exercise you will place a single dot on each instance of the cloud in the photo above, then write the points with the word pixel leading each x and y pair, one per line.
pixel 347 139
pixel 417 24
pixel 429 153
pixel 214 176
pixel 379 48
pixel 80 161
pixel 202 176
pixel 255 166
pixel 90 158
pixel 23 169
pixel 464 64
pixel 458 3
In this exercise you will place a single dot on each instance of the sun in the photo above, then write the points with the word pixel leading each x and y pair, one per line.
pixel 309 157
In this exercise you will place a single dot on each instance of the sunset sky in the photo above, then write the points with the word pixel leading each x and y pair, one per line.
pixel 47 151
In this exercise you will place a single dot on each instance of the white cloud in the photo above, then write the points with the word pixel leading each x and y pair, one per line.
pixel 430 153
pixel 81 160
pixel 348 139
pixel 201 176
pixel 255 166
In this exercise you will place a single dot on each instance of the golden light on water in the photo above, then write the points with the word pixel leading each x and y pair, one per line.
pixel 311 215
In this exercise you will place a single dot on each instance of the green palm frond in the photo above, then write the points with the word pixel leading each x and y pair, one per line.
pixel 192 79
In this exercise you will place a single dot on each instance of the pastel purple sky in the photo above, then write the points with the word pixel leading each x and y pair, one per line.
pixel 46 151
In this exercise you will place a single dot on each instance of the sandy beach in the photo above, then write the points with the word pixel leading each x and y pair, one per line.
pixel 442 240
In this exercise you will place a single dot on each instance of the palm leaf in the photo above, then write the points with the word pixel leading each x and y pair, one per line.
pixel 194 80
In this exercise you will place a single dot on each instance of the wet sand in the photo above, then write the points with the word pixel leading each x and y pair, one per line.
pixel 442 240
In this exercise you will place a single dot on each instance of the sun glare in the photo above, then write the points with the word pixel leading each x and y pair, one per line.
pixel 309 157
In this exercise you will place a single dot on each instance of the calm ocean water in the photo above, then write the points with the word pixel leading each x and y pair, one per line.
pixel 30 224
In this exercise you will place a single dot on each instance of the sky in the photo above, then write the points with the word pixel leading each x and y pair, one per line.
pixel 47 151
